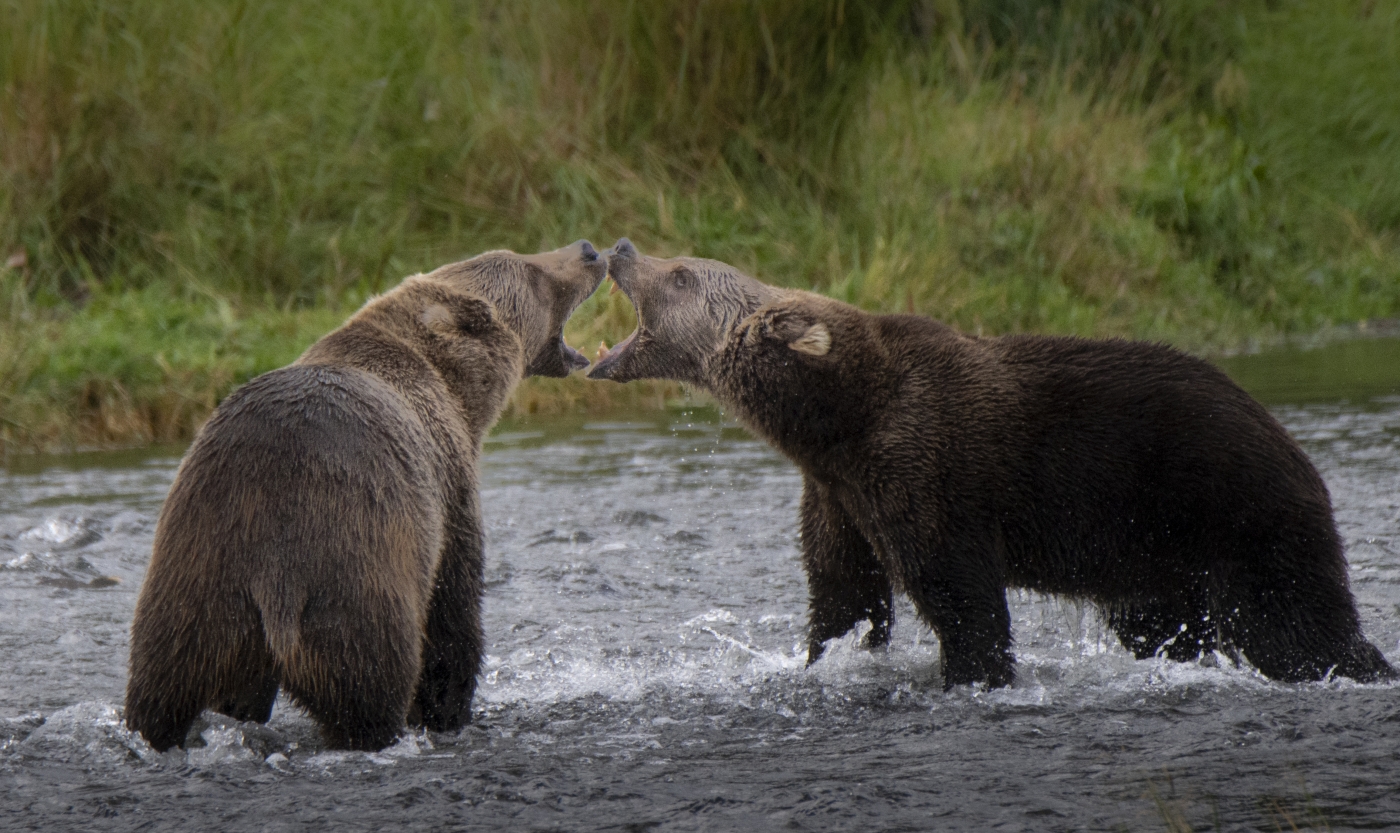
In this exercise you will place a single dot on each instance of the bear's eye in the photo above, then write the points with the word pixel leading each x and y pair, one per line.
pixel 680 279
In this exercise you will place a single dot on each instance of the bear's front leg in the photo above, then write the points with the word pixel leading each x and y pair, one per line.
pixel 847 583
pixel 959 590
pixel 453 645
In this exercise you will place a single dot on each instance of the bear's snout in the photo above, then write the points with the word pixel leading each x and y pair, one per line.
pixel 622 248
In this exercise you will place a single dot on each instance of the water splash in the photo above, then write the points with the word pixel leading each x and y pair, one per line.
pixel 647 663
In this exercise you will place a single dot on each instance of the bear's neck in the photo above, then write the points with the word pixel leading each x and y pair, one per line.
pixel 816 425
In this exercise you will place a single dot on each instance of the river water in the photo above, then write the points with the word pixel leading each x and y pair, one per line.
pixel 644 617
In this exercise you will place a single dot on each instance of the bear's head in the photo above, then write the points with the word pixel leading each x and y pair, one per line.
pixel 804 370
pixel 533 295
pixel 686 306
pixel 798 367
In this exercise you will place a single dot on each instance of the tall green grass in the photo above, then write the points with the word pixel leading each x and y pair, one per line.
pixel 191 192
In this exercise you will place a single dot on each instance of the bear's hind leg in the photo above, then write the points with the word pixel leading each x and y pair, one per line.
pixel 354 670
pixel 161 708
pixel 845 580
pixel 182 658
pixel 453 644
pixel 252 697
pixel 1301 628
pixel 1364 663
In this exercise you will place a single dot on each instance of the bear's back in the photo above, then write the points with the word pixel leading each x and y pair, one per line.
pixel 1118 446
pixel 1147 398
pixel 334 414
pixel 298 458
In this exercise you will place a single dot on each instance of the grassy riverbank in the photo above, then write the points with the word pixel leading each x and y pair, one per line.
pixel 191 193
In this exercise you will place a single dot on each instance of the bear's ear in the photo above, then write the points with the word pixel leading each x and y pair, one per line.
pixel 815 341
pixel 791 327
pixel 475 316
pixel 471 316
pixel 438 319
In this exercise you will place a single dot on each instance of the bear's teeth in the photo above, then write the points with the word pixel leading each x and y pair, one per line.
pixel 603 347
pixel 612 290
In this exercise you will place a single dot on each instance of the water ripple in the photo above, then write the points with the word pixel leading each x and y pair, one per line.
pixel 645 671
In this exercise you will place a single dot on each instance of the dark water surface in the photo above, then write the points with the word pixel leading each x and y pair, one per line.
pixel 644 617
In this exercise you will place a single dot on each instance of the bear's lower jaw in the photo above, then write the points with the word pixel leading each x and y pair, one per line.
pixel 573 358
pixel 607 365
pixel 557 360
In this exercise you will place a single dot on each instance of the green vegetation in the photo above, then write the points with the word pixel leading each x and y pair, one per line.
pixel 192 192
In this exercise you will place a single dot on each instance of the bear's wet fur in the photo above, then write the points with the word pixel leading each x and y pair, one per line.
pixel 323 534
pixel 950 467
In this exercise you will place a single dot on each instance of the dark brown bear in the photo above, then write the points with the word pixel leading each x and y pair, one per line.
pixel 951 467
pixel 323 534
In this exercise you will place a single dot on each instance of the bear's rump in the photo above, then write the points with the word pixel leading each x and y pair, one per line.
pixel 312 494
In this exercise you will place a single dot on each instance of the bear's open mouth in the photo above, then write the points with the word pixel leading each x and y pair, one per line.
pixel 608 359
pixel 573 359
pixel 557 360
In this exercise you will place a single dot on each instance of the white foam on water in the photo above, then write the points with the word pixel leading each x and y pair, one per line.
pixel 54 531
pixel 29 562
pixel 278 762
pixel 92 732
pixel 332 762
pixel 1065 657
pixel 1066 662
pixel 224 745
pixel 707 656
pixel 412 744
pixel 711 616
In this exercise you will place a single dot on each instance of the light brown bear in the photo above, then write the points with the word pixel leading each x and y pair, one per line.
pixel 323 534
pixel 951 467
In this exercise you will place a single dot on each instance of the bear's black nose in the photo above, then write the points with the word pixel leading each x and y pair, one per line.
pixel 624 247
pixel 587 252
